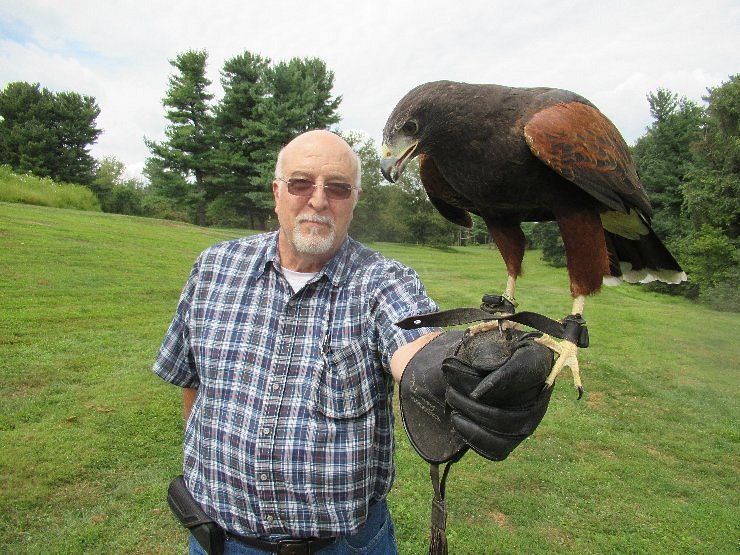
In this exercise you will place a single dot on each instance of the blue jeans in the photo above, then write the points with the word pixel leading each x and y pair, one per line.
pixel 376 537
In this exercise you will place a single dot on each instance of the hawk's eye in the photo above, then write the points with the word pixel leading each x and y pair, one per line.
pixel 410 127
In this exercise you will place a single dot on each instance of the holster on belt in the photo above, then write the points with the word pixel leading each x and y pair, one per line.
pixel 206 531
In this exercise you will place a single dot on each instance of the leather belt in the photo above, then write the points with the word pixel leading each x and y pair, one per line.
pixel 287 546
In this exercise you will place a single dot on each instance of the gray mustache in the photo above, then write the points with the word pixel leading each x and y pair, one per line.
pixel 316 219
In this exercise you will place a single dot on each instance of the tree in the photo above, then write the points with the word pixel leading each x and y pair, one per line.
pixel 663 104
pixel 169 194
pixel 665 155
pixel 109 174
pixel 48 134
pixel 425 225
pixel 115 193
pixel 722 145
pixel 711 202
pixel 395 212
pixel 263 108
pixel 712 196
pixel 237 197
pixel 546 236
pixel 689 164
pixel 190 136
pixel 479 233
pixel 297 98
pixel 228 151
pixel 364 226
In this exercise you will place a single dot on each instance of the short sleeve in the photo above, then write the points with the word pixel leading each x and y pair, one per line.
pixel 174 362
pixel 401 295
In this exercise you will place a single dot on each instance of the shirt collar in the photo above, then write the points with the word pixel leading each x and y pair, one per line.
pixel 336 270
pixel 264 255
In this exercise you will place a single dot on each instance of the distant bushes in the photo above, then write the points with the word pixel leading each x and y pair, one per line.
pixel 28 189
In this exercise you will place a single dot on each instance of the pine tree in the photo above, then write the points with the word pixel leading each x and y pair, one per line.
pixel 189 148
pixel 233 188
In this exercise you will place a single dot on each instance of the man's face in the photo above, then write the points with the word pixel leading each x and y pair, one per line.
pixel 313 228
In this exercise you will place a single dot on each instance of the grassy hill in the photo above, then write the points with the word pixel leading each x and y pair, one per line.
pixel 647 462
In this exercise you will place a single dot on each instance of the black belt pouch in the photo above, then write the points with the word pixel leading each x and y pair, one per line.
pixel 209 535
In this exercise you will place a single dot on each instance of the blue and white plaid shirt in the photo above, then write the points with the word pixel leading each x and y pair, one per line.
pixel 292 427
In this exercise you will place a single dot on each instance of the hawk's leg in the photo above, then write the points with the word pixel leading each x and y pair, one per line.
pixel 567 352
pixel 507 300
pixel 510 241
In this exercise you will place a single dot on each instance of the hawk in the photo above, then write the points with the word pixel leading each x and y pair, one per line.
pixel 513 155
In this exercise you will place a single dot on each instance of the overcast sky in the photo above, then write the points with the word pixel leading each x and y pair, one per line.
pixel 614 53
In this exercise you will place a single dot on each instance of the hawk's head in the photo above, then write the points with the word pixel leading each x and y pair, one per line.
pixel 412 125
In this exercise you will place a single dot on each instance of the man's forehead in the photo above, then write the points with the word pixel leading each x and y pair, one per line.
pixel 314 160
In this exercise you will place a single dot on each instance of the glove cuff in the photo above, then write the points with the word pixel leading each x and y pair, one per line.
pixel 422 399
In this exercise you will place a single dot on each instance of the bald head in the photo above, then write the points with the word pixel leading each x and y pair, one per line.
pixel 320 142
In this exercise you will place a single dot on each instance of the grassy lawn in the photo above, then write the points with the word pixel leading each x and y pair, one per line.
pixel 647 462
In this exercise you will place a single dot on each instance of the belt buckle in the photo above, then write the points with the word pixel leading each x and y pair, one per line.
pixel 293 547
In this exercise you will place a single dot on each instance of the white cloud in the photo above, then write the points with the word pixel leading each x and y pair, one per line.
pixel 612 53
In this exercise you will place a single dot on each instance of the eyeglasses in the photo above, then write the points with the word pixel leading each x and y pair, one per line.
pixel 305 188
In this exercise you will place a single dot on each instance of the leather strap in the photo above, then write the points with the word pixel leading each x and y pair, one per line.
pixel 572 327
pixel 438 535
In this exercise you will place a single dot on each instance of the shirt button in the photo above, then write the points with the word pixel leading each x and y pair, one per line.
pixel 269 518
pixel 265 431
pixel 275 386
pixel 263 477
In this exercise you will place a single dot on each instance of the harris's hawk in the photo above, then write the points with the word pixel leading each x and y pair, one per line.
pixel 512 155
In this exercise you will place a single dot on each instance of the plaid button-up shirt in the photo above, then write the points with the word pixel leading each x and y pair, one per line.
pixel 292 427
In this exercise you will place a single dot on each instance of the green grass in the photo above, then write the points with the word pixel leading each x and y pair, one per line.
pixel 29 189
pixel 647 462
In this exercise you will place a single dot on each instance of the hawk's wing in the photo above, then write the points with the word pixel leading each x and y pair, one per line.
pixel 583 146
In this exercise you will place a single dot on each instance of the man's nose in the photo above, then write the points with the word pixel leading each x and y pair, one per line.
pixel 318 200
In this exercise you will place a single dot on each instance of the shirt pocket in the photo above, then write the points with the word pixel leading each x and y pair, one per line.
pixel 346 385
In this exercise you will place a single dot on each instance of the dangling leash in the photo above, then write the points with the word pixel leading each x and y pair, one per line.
pixel 438 537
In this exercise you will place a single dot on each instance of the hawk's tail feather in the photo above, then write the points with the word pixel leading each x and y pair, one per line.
pixel 641 260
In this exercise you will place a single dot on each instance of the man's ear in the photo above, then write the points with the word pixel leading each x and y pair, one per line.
pixel 276 194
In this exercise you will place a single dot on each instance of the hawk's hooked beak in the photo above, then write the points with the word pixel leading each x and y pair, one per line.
pixel 391 164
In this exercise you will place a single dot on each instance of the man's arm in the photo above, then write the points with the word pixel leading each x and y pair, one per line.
pixel 188 398
pixel 404 354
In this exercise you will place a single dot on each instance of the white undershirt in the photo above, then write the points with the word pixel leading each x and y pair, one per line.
pixel 297 279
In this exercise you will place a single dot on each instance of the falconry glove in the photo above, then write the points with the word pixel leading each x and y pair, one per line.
pixel 482 391
pixel 495 390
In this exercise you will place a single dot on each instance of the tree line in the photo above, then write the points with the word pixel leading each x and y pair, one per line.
pixel 216 162
pixel 217 159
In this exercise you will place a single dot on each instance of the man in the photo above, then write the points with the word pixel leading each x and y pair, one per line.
pixel 286 348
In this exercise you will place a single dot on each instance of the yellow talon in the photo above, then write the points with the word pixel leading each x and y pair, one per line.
pixel 567 352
